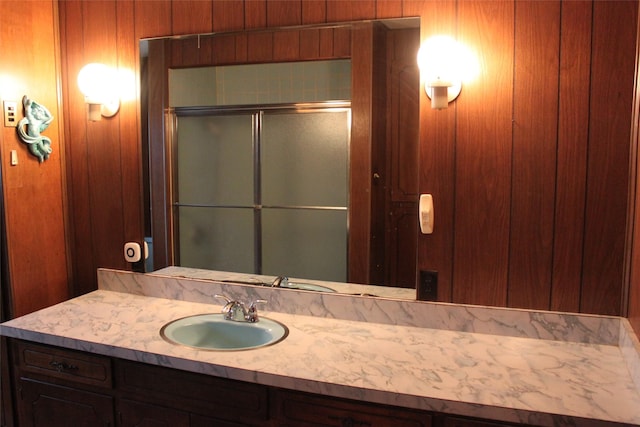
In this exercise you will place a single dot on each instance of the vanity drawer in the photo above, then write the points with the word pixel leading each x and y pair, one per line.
pixel 69 365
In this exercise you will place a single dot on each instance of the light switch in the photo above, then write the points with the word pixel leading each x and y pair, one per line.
pixel 425 213
pixel 14 158
pixel 10 114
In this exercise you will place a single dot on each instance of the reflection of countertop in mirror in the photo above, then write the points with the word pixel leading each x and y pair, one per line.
pixel 343 288
pixel 587 374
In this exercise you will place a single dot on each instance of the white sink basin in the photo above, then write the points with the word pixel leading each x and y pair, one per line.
pixel 213 332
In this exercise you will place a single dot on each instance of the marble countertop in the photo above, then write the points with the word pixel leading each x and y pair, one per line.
pixel 504 378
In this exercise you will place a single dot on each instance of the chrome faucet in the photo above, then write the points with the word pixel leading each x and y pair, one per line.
pixel 280 281
pixel 237 311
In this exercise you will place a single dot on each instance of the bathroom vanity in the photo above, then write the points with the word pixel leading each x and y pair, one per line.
pixel 99 359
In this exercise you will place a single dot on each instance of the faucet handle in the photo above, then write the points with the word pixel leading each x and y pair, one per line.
pixel 227 299
pixel 252 312
pixel 280 282
pixel 233 310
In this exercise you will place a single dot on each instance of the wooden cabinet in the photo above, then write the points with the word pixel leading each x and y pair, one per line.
pixel 58 387
pixel 236 402
pixel 301 409
pixel 137 414
pixel 46 405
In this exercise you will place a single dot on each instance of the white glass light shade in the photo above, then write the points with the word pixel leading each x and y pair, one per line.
pixel 98 84
pixel 444 64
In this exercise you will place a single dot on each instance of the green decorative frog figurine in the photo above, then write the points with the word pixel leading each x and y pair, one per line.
pixel 37 119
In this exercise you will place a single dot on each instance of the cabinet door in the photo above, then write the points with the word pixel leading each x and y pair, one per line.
pixel 46 405
pixel 137 414
pixel 299 409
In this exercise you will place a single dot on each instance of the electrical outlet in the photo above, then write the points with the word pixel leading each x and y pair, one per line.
pixel 428 286
pixel 10 114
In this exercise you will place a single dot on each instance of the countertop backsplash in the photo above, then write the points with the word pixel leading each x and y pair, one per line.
pixel 570 327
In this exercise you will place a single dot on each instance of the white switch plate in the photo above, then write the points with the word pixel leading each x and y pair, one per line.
pixel 132 252
pixel 10 109
pixel 14 158
pixel 425 213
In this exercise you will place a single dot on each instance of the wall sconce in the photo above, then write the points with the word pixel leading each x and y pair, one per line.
pixel 444 64
pixel 98 83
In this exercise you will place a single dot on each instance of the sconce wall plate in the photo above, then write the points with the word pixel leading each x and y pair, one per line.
pixel 110 108
pixel 37 119
pixel 452 91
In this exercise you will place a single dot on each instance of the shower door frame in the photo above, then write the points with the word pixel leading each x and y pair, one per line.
pixel 256 112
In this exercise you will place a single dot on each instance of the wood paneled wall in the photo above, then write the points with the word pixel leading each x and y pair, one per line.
pixel 528 168
pixel 33 192
pixel 535 156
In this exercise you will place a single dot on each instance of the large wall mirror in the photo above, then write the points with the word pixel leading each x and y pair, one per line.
pixel 273 161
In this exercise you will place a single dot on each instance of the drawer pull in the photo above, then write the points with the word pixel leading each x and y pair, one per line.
pixel 62 366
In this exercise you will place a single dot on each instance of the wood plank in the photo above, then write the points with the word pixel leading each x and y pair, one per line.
pixel 153 18
pixel 412 8
pixel 191 16
pixel 360 172
pixel 255 14
pixel 314 11
pixel 190 49
pixel 281 13
pixel 286 45
pixel 32 191
pixel 309 44
pixel 205 53
pixel 260 47
pixel 224 49
pixel 483 156
pixel 176 50
pixel 633 299
pixel 228 15
pixel 326 43
pixel 130 154
pixel 607 169
pixel 404 124
pixel 573 137
pixel 437 163
pixel 403 147
pixel 342 43
pixel 242 48
pixel 76 150
pixel 535 129
pixel 388 9
pixel 347 10
pixel 103 153
pixel 379 165
pixel 401 266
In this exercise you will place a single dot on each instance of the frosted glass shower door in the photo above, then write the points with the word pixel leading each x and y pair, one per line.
pixel 215 192
pixel 304 182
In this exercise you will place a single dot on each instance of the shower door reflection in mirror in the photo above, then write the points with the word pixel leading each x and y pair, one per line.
pixel 263 189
